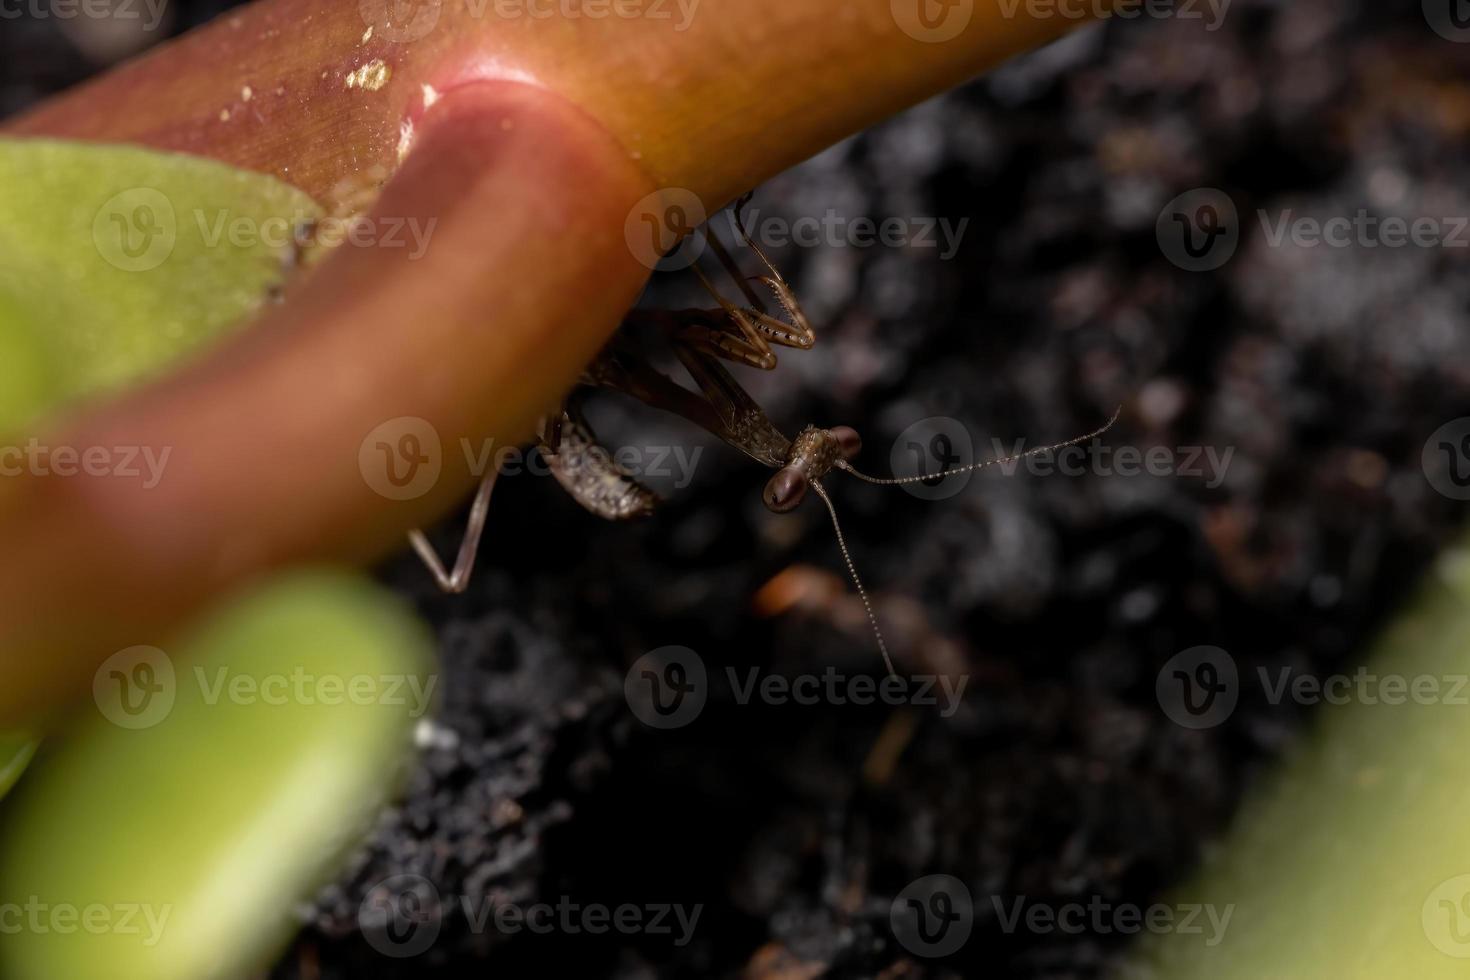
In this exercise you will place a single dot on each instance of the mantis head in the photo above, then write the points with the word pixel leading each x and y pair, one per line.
pixel 812 456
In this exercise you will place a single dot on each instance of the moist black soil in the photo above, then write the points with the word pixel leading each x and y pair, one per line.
pixel 1059 778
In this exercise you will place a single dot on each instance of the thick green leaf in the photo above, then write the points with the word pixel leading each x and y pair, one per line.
pixel 1354 859
pixel 114 261
pixel 215 786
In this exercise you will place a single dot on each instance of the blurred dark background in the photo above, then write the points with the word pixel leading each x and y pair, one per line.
pixel 1324 369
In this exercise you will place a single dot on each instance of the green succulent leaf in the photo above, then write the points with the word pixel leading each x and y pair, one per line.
pixel 1351 860
pixel 215 786
pixel 115 261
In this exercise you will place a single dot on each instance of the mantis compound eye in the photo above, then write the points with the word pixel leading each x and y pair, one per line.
pixel 849 443
pixel 785 490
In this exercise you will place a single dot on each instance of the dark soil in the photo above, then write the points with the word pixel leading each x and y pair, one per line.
pixel 1060 778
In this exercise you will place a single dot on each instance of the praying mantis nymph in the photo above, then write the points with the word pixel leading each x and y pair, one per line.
pixel 702 338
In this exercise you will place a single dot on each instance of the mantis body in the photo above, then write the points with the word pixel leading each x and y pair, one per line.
pixel 702 339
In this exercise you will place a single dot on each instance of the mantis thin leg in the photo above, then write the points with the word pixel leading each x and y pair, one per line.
pixel 458 580
pixel 733 271
pixel 774 281
pixel 749 242
pixel 744 334
pixel 754 319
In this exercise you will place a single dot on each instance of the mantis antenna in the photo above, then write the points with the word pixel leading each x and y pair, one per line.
pixel 900 480
pixel 852 571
